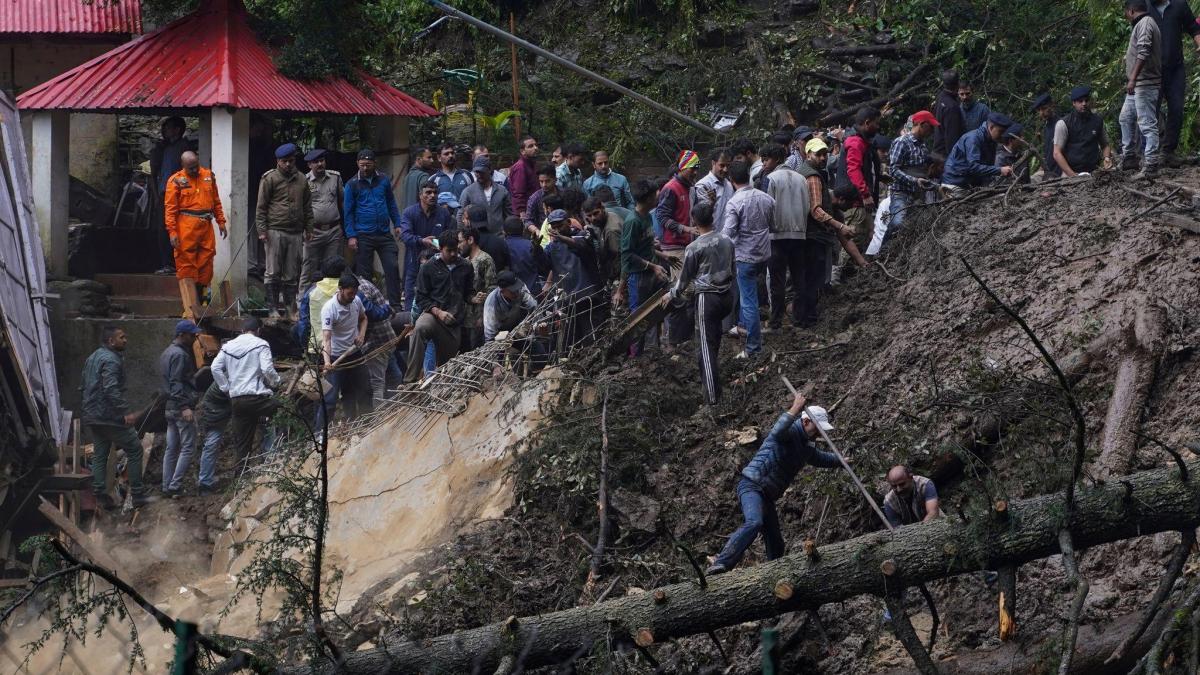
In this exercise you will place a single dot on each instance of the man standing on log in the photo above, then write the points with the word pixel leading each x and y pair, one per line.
pixel 786 450
pixel 1079 138
pixel 912 499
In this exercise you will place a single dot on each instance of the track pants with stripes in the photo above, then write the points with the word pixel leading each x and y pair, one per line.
pixel 711 310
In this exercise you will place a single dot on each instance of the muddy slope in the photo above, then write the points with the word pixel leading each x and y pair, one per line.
pixel 914 358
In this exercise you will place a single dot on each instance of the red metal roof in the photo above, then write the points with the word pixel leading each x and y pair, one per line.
pixel 71 16
pixel 209 58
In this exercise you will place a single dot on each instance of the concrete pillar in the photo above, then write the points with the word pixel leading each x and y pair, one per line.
pixel 52 184
pixel 205 149
pixel 230 148
pixel 391 147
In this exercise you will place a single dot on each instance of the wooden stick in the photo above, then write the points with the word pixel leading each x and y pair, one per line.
pixel 1153 206
pixel 833 447
pixel 98 555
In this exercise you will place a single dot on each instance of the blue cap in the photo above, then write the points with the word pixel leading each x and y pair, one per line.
pixel 315 154
pixel 557 216
pixel 1082 91
pixel 448 199
pixel 366 153
pixel 186 326
pixel 801 133
pixel 1000 120
pixel 1014 131
pixel 1040 101
pixel 481 163
pixel 286 150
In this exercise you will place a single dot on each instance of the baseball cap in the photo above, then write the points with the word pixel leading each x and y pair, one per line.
pixel 820 417
pixel 286 150
pixel 509 281
pixel 315 154
pixel 1040 101
pixel 557 216
pixel 448 199
pixel 481 164
pixel 1082 91
pixel 801 133
pixel 925 117
pixel 187 326
pixel 1014 131
pixel 815 145
pixel 366 153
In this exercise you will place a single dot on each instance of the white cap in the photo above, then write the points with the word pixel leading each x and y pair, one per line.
pixel 819 415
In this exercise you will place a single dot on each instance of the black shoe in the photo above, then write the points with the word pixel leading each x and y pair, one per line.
pixel 714 569
pixel 171 494
pixel 206 490
pixel 143 500
pixel 104 501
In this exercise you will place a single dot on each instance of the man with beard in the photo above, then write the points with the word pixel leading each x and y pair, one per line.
pixel 1079 138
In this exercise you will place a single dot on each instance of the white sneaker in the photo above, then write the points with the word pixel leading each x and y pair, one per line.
pixel 742 355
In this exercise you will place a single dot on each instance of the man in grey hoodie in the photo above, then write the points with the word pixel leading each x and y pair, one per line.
pixel 1143 74
pixel 244 370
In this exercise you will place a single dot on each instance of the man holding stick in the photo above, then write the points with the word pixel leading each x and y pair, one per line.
pixel 786 450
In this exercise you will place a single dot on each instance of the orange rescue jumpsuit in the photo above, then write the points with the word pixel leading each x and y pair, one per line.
pixel 189 207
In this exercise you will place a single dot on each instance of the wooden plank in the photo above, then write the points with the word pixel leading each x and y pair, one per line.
pixel 98 555
pixel 649 314
pixel 65 482
pixel 1181 221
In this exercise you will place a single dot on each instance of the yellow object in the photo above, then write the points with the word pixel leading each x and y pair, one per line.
pixel 1008 627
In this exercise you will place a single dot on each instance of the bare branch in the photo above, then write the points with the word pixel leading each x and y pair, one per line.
pixel 1174 568
pixel 1071 629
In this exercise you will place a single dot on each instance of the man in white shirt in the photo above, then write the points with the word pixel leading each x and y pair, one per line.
pixel 343 330
pixel 245 371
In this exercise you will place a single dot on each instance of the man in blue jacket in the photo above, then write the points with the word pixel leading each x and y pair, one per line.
pixel 371 214
pixel 785 451
pixel 972 162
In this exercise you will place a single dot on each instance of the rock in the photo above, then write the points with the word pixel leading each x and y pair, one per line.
pixel 795 8
pixel 744 436
pixel 635 511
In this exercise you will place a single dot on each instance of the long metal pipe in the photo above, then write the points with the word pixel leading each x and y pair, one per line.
pixel 570 65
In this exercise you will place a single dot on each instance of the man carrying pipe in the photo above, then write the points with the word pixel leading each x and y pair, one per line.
pixel 785 451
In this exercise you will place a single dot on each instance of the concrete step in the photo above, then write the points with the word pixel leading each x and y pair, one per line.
pixel 147 305
pixel 141 285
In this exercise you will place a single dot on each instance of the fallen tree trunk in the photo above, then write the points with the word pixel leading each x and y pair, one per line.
pixel 1140 504
pixel 1144 342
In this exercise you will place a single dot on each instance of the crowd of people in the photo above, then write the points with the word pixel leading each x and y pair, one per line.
pixel 745 231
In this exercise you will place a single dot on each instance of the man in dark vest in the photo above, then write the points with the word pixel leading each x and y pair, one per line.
pixel 1044 107
pixel 1079 137
pixel 912 499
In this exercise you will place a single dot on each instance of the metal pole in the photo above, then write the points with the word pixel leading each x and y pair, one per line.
pixel 861 488
pixel 512 28
pixel 570 65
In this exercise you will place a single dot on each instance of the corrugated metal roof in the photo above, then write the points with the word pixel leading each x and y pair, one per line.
pixel 206 59
pixel 71 16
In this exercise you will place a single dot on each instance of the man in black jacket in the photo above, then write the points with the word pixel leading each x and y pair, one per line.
pixel 1175 19
pixel 786 450
pixel 106 414
pixel 177 366
pixel 948 112
pixel 443 284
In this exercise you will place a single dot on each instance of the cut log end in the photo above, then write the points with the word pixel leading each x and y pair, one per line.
pixel 810 549
pixel 888 567
pixel 643 637
pixel 784 589
pixel 1000 508
pixel 660 596
pixel 511 625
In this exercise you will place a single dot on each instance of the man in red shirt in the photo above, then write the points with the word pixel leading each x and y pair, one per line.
pixel 860 167
pixel 522 177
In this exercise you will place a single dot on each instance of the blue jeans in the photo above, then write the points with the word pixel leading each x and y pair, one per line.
pixel 1140 113
pixel 181 445
pixel 896 215
pixel 208 456
pixel 759 513
pixel 748 316
pixel 636 289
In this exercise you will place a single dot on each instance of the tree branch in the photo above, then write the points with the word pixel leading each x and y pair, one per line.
pixel 908 635
pixel 1071 629
pixel 1174 568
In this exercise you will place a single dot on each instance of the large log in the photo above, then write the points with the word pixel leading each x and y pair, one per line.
pixel 1140 504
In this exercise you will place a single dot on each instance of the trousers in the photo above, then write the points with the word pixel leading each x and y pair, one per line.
pixel 104 438
pixel 181 445
pixel 381 244
pixel 759 517
pixel 248 412
pixel 426 330
pixel 323 244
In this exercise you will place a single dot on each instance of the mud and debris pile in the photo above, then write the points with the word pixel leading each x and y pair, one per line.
pixel 913 357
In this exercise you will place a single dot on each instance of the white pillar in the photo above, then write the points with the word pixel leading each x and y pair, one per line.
pixel 230 147
pixel 205 150
pixel 52 184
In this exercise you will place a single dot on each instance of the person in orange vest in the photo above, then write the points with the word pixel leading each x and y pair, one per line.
pixel 190 206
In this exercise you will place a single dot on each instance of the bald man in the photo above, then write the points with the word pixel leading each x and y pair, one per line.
pixel 190 206
pixel 912 499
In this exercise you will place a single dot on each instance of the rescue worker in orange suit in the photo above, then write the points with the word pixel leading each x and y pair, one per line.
pixel 190 206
